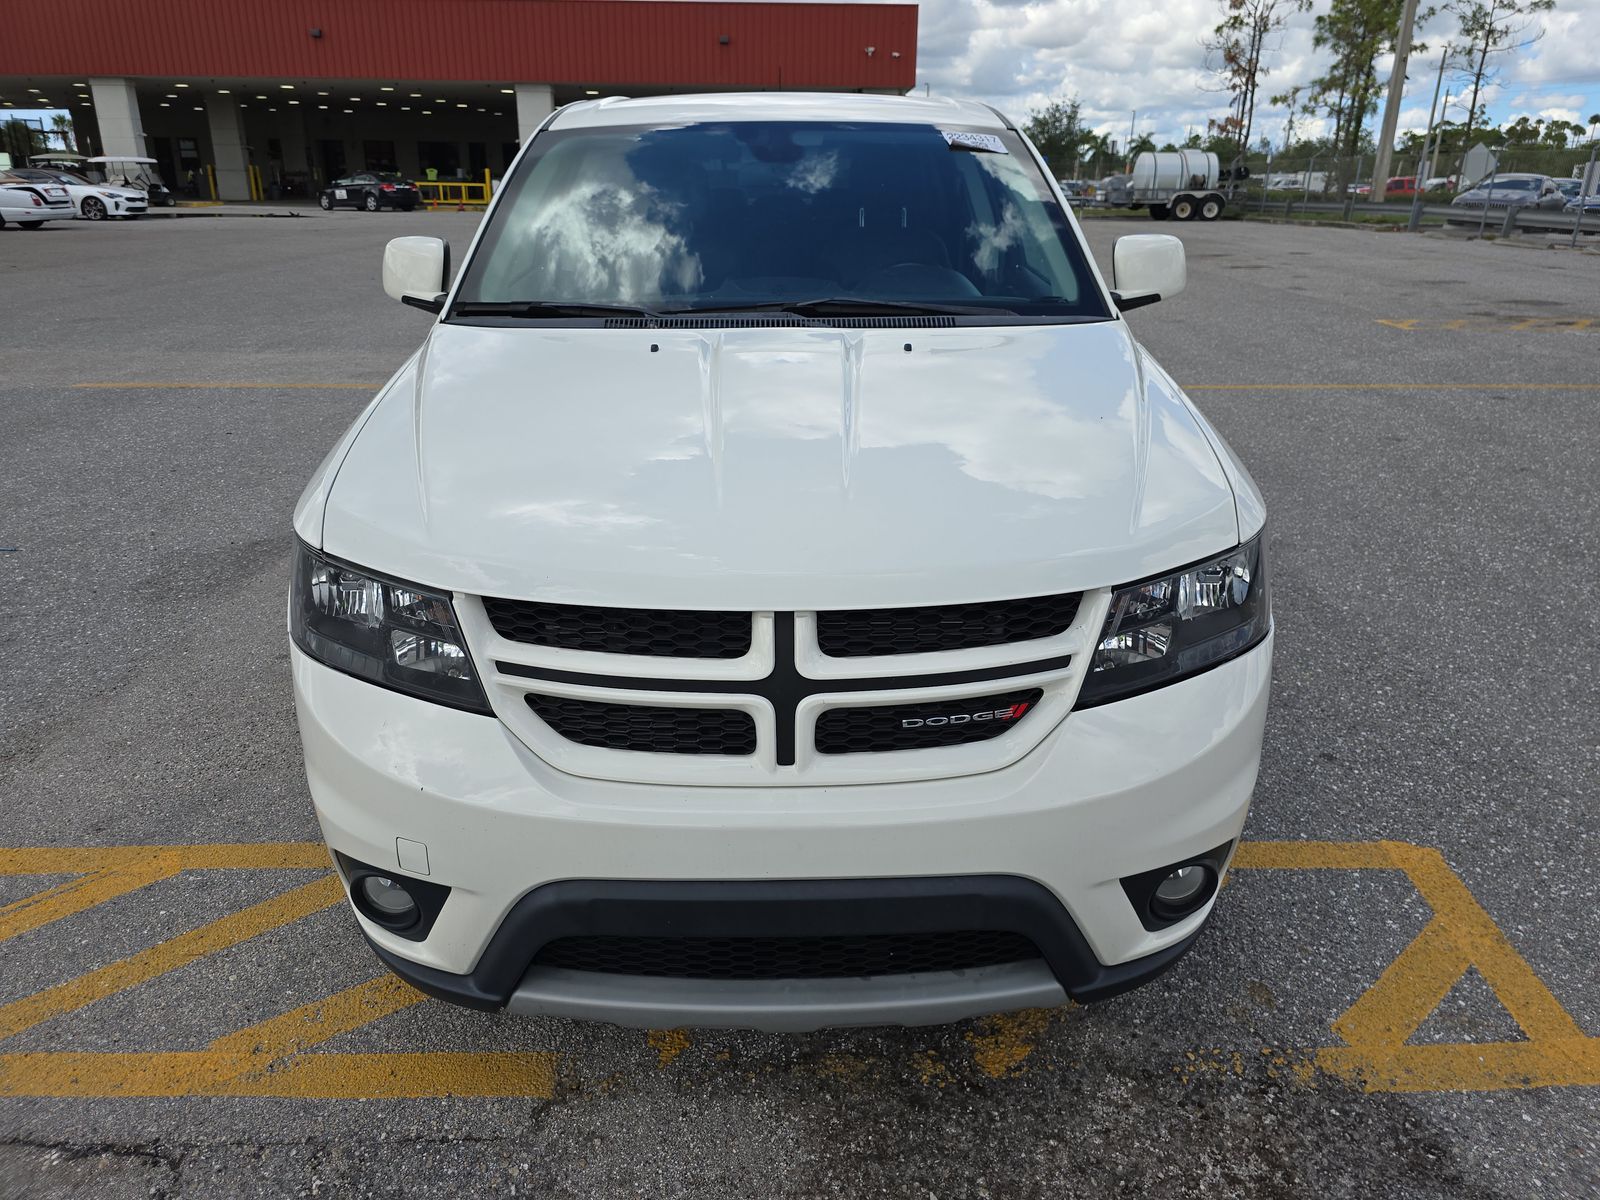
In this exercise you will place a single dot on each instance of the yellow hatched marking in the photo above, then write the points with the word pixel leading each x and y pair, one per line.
pixel 75 895
pixel 1460 936
pixel 312 1076
pixel 169 955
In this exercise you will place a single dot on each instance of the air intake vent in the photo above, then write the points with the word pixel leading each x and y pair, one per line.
pixel 648 728
pixel 663 632
pixel 871 631
pixel 921 726
pixel 788 957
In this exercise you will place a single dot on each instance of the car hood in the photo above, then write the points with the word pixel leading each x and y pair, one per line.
pixel 776 468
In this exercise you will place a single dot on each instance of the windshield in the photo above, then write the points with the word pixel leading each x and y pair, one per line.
pixel 740 213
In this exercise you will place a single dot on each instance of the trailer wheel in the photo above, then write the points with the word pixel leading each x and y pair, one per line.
pixel 1183 208
pixel 1210 208
pixel 1159 212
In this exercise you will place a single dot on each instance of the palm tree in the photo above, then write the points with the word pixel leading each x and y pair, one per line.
pixel 61 124
pixel 1594 119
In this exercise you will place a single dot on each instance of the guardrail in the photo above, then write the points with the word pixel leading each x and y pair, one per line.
pixel 1504 222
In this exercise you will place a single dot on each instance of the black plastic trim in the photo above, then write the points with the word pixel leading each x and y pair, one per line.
pixel 779 908
pixel 785 687
pixel 1129 303
pixel 1141 888
pixel 430 896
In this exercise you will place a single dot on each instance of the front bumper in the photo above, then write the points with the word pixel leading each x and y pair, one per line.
pixel 1111 792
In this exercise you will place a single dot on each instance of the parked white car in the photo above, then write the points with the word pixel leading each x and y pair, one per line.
pixel 781 591
pixel 29 203
pixel 93 201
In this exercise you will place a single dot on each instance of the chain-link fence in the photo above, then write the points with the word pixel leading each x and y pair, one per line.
pixel 1529 189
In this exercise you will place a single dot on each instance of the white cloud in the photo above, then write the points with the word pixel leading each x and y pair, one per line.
pixel 1122 55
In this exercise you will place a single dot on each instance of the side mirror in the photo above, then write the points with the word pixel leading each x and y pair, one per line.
pixel 415 271
pixel 1146 267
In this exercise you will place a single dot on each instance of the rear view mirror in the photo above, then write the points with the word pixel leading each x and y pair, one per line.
pixel 415 271
pixel 1146 267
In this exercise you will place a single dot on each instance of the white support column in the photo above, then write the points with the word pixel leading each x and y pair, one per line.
pixel 116 110
pixel 535 102
pixel 228 148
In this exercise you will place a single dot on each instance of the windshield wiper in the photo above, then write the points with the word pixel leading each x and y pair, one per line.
pixel 534 309
pixel 848 306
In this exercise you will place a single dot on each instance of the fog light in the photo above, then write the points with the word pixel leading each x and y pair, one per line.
pixel 1182 891
pixel 386 901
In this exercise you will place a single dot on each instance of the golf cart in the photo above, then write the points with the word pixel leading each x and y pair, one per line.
pixel 135 173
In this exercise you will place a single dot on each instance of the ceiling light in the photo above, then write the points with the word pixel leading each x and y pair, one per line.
pixel 180 85
pixel 405 108
pixel 172 95
pixel 427 112
pixel 224 92
pixel 80 85
pixel 441 100
pixel 349 110
pixel 322 93
pixel 294 102
pixel 164 104
pixel 199 108
pixel 33 91
pixel 508 91
pixel 386 89
pixel 416 95
pixel 483 110
pixel 591 92
pixel 381 103
pixel 272 110
pixel 286 87
pixel 323 107
pixel 461 106
pixel 260 97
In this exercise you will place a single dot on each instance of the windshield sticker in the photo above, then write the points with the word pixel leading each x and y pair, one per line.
pixel 986 142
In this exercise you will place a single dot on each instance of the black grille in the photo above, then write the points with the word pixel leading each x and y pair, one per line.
pixel 647 727
pixel 861 632
pixel 942 723
pixel 788 957
pixel 666 633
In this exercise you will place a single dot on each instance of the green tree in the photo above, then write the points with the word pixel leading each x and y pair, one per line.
pixel 20 139
pixel 1236 53
pixel 61 126
pixel 1357 33
pixel 1058 130
pixel 1492 28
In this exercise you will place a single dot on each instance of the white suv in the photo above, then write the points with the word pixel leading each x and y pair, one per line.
pixel 780 591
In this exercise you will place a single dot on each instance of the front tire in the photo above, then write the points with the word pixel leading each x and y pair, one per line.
pixel 327 204
pixel 1159 212
pixel 93 209
pixel 1183 208
pixel 371 202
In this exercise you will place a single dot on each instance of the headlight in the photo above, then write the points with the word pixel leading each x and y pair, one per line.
pixel 110 195
pixel 1165 629
pixel 391 633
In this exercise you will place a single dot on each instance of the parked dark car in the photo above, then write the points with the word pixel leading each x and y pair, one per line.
pixel 370 190
pixel 1504 191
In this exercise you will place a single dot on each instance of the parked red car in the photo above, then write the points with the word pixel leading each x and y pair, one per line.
pixel 1401 187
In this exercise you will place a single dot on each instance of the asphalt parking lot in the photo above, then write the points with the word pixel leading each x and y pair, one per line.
pixel 1399 996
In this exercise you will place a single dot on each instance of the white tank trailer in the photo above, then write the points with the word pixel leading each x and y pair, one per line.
pixel 1181 184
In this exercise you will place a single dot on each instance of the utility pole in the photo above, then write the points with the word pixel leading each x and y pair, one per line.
pixel 1391 108
pixel 1423 174
pixel 1444 116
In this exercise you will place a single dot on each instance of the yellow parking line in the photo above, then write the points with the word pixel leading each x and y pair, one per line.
pixel 74 895
pixel 76 860
pixel 169 955
pixel 1409 989
pixel 314 1023
pixel 60 1073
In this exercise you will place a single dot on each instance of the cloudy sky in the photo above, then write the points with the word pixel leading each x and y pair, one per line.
pixel 1121 55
